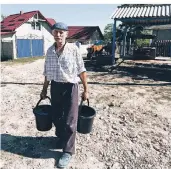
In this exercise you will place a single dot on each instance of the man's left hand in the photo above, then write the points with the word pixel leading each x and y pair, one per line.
pixel 85 96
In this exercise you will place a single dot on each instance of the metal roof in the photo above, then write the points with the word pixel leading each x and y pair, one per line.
pixel 83 32
pixel 12 22
pixel 143 14
pixel 51 21
pixel 142 11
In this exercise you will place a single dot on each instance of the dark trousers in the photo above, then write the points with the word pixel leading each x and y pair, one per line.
pixel 65 112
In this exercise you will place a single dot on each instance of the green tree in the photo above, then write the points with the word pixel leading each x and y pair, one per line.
pixel 108 32
pixel 144 42
pixel 135 32
pixel 2 17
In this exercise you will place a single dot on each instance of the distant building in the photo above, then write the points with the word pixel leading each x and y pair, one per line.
pixel 86 35
pixel 25 35
pixel 162 32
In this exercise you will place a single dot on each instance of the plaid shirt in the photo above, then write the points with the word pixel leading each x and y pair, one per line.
pixel 66 67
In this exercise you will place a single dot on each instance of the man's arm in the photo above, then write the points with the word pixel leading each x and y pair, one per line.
pixel 46 82
pixel 82 74
pixel 83 77
pixel 45 86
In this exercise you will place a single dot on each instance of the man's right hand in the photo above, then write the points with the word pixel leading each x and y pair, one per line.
pixel 43 94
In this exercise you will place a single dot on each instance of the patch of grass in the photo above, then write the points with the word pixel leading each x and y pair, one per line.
pixel 23 60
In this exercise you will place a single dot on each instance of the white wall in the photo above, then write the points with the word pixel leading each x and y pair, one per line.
pixel 26 31
pixel 83 49
pixel 49 39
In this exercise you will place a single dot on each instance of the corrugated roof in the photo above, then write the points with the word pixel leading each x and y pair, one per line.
pixel 51 21
pixel 123 12
pixel 12 22
pixel 82 32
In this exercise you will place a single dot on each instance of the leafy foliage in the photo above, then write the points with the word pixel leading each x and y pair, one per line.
pixel 108 32
pixel 136 32
pixel 3 17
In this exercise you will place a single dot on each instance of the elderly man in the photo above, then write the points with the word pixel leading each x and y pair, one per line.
pixel 63 65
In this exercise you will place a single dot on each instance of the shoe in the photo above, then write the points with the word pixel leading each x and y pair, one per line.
pixel 64 160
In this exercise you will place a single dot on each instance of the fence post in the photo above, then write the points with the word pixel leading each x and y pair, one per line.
pixel 31 45
pixel 2 50
pixel 43 45
pixel 16 47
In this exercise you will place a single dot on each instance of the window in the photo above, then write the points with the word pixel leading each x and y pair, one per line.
pixel 36 26
pixel 33 25
pixel 36 16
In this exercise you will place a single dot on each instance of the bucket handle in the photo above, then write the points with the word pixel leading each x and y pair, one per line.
pixel 80 107
pixel 43 99
pixel 82 102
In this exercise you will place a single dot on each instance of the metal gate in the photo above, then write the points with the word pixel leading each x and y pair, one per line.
pixel 29 47
pixel 37 47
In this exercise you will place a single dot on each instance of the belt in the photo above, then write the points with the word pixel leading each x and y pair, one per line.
pixel 61 82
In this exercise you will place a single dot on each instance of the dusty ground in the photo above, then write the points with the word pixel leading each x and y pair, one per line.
pixel 132 128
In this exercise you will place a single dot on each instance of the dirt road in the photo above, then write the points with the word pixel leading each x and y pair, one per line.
pixel 132 128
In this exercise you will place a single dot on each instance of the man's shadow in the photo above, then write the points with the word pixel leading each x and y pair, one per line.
pixel 31 147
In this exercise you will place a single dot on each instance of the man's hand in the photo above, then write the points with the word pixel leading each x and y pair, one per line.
pixel 43 94
pixel 85 95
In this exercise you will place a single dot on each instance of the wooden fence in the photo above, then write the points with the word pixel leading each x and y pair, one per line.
pixel 163 48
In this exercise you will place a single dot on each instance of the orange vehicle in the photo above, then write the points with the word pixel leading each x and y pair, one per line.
pixel 94 50
pixel 98 49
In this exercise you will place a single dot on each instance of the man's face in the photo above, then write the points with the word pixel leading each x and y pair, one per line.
pixel 60 35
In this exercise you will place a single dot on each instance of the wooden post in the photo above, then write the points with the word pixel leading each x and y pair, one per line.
pixel 15 51
pixel 114 45
pixel 124 42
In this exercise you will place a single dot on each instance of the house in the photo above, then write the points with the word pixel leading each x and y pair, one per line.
pixel 162 42
pixel 162 32
pixel 86 35
pixel 29 34
pixel 25 35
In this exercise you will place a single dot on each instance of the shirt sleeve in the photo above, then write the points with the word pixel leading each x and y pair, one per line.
pixel 45 72
pixel 45 69
pixel 46 63
pixel 80 63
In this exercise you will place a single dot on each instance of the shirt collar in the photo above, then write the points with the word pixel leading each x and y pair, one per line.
pixel 54 47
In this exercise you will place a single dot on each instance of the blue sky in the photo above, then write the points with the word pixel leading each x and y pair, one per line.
pixel 71 14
